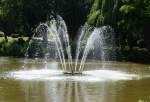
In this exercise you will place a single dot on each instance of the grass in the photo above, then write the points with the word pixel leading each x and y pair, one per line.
pixel 10 39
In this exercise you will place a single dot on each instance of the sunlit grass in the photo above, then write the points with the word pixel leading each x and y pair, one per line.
pixel 10 39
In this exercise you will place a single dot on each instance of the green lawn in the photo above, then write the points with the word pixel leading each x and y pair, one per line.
pixel 10 39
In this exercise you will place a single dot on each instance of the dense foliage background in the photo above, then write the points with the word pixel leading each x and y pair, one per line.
pixel 129 18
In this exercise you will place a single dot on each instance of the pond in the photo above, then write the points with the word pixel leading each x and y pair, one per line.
pixel 38 81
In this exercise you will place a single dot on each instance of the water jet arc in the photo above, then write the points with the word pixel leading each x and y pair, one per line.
pixel 53 39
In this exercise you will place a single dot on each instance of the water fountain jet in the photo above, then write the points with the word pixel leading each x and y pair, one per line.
pixel 53 40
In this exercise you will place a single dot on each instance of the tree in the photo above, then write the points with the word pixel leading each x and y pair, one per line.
pixel 74 13
pixel 9 16
pixel 129 18
pixel 22 16
pixel 102 12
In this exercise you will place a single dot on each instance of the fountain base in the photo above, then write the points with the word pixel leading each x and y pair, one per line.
pixel 74 73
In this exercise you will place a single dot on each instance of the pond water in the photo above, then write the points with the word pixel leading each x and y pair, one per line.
pixel 101 82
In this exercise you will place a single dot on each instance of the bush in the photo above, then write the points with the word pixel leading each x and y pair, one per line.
pixel 14 48
pixel 126 9
pixel 1 35
pixel 139 55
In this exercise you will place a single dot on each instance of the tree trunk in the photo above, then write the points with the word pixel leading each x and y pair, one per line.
pixel 6 39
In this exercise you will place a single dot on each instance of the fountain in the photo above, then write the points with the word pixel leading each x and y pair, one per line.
pixel 50 44
pixel 51 40
pixel 85 76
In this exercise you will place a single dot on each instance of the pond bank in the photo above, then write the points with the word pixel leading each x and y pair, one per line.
pixel 16 47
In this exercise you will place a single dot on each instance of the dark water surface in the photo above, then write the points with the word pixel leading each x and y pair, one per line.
pixel 113 83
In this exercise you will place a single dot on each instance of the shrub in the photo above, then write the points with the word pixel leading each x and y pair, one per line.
pixel 13 48
pixel 126 9
pixel 1 35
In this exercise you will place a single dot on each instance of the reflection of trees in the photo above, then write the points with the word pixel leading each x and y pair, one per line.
pixel 70 92
pixel 54 92
pixel 33 91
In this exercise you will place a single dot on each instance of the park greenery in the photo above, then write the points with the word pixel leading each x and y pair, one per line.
pixel 129 18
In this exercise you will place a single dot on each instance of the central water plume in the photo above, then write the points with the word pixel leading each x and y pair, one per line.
pixel 52 41
pixel 92 43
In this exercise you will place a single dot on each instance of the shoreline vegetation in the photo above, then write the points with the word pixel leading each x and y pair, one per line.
pixel 130 20
pixel 17 47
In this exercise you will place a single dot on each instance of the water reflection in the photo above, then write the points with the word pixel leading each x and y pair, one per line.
pixel 68 92
pixel 77 92
pixel 53 92
pixel 48 85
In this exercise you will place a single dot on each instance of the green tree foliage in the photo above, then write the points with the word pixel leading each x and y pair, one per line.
pixel 23 16
pixel 106 9
pixel 129 18
pixel 74 13
pixel 9 16
pixel 133 21
pixel 126 9
pixel 93 17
